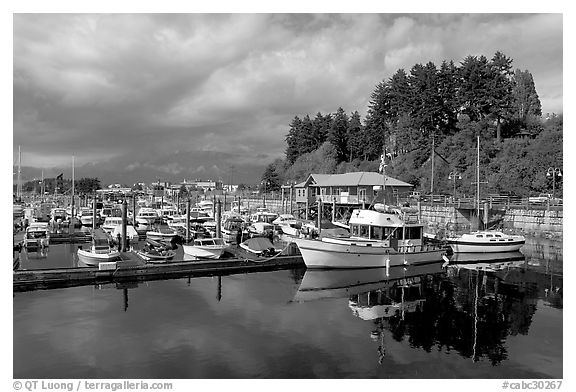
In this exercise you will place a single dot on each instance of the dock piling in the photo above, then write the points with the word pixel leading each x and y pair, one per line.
pixel 124 221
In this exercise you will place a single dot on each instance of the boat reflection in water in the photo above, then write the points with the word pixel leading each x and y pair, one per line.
pixel 335 283
pixel 470 306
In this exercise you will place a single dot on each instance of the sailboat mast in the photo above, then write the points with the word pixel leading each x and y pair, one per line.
pixel 19 185
pixel 72 209
pixel 42 188
pixel 478 181
pixel 432 159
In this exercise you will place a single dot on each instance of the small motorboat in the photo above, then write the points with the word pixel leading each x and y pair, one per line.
pixel 37 235
pixel 156 252
pixel 260 246
pixel 205 248
pixel 162 232
pixel 100 250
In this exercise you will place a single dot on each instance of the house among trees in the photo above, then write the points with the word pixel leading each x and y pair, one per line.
pixel 347 191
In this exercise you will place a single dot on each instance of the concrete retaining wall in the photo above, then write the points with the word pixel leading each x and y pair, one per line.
pixel 448 221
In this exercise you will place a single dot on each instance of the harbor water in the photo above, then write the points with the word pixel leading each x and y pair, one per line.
pixel 466 320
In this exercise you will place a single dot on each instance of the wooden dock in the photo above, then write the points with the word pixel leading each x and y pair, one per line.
pixel 133 269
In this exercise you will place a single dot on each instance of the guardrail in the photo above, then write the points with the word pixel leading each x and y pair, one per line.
pixel 492 201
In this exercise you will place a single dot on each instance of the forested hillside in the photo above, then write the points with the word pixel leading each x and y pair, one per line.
pixel 445 106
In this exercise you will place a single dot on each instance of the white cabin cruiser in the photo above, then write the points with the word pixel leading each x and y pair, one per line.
pixel 382 237
pixel 486 242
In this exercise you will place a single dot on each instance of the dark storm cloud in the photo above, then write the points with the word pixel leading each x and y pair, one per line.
pixel 103 86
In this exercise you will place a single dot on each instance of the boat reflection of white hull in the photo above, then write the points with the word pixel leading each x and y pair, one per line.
pixel 337 283
pixel 460 258
pixel 346 254
pixel 91 258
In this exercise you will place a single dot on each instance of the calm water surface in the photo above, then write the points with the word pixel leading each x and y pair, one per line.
pixel 496 320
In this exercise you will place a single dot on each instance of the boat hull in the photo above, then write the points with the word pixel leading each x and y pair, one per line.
pixel 204 252
pixel 320 254
pixel 156 258
pixel 96 258
pixel 471 247
pixel 160 236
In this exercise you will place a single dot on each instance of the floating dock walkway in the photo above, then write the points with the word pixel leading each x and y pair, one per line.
pixel 133 268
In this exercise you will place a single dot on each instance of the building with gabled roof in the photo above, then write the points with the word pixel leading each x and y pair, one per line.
pixel 347 190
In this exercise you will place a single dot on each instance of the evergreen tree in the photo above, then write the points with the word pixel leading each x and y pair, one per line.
pixel 355 136
pixel 525 98
pixel 293 140
pixel 500 90
pixel 473 87
pixel 338 134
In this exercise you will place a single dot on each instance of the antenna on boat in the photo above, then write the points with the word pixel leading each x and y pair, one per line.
pixel 381 169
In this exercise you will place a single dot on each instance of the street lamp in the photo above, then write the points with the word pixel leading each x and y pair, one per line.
pixel 454 176
pixel 553 172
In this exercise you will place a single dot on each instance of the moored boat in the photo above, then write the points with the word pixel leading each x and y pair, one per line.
pixel 206 248
pixel 260 246
pixel 37 235
pixel 486 242
pixel 381 237
pixel 156 252
pixel 100 250
pixel 162 232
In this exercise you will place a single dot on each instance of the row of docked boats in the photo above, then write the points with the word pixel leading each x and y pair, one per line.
pixel 391 236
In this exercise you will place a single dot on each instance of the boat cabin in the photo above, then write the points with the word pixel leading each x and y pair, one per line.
pixel 397 225
pixel 209 242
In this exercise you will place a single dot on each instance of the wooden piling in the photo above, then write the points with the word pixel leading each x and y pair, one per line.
pixel 124 221
pixel 94 212
pixel 134 210
pixel 218 219
pixel 188 220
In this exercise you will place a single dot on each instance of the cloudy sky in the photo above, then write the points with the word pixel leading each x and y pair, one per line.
pixel 191 95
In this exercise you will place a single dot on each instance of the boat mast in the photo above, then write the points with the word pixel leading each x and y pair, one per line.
pixel 42 188
pixel 432 159
pixel 72 209
pixel 478 180
pixel 19 184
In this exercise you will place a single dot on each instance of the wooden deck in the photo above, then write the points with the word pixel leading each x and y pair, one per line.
pixel 133 268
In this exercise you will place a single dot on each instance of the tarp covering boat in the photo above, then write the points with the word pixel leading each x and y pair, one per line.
pixel 258 245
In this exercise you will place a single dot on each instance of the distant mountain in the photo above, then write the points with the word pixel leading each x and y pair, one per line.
pixel 176 167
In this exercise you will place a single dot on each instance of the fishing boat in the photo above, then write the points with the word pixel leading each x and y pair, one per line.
pixel 37 235
pixel 484 241
pixel 100 250
pixel 205 248
pixel 381 237
pixel 156 252
pixel 162 232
